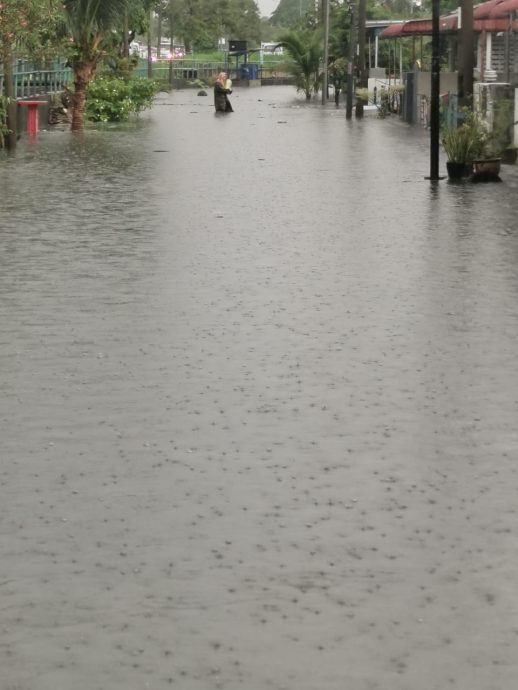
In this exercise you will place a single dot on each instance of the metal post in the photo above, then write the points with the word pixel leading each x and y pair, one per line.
pixel 466 58
pixel 149 54
pixel 171 48
pixel 326 51
pixel 350 62
pixel 362 72
pixel 507 52
pixel 434 95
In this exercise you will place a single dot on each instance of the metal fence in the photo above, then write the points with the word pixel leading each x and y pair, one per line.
pixel 40 82
pixel 192 70
pixel 30 82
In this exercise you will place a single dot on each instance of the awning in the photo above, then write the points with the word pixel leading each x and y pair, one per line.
pixel 392 31
pixel 495 9
pixel 419 27
pixel 509 6
pixel 492 16
pixel 482 11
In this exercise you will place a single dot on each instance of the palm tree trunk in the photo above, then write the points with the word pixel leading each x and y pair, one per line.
pixel 83 76
pixel 125 36
pixel 11 107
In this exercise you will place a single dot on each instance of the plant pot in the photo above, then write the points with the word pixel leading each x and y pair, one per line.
pixel 457 171
pixel 487 170
pixel 488 165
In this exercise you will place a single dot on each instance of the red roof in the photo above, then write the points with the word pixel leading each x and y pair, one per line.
pixel 490 16
pixel 507 6
pixel 393 31
pixel 417 27
pixel 495 9
pixel 482 11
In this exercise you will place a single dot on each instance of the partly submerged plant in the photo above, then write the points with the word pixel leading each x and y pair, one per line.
pixel 113 99
pixel 465 141
pixel 305 51
pixel 500 135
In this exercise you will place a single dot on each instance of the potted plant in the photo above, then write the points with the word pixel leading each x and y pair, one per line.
pixel 497 141
pixel 503 129
pixel 462 144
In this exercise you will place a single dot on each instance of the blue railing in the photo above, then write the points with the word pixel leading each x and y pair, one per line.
pixel 39 82
pixel 29 82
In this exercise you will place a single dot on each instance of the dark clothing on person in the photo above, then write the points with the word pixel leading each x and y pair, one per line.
pixel 221 101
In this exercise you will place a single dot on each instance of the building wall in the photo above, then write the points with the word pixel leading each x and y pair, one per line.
pixel 448 83
pixel 498 53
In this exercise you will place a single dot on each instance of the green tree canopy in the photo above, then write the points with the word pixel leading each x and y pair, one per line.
pixel 200 23
pixel 289 13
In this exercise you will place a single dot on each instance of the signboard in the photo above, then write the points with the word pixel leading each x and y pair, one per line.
pixel 237 46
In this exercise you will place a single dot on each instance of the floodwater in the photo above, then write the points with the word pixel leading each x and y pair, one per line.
pixel 259 404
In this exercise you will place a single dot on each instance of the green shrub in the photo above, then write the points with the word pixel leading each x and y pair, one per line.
pixel 112 99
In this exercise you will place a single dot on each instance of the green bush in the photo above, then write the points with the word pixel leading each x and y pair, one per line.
pixel 113 99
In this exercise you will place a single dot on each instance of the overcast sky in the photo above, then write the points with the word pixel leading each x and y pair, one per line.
pixel 266 7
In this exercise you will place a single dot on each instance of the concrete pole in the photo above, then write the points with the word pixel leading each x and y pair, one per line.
pixel 350 64
pixel 171 47
pixel 362 72
pixel 466 59
pixel 362 14
pixel 149 53
pixel 326 51
pixel 434 96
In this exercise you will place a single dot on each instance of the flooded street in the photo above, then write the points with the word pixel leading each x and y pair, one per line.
pixel 259 404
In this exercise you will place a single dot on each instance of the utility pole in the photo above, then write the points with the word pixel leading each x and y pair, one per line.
pixel 466 59
pixel 171 46
pixel 362 73
pixel 350 66
pixel 434 94
pixel 326 51
pixel 149 46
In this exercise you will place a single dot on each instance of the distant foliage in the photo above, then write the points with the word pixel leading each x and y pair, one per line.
pixel 112 99
pixel 289 13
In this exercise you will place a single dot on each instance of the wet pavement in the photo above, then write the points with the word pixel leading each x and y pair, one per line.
pixel 259 405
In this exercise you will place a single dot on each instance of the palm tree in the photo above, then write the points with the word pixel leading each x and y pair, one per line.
pixel 90 24
pixel 305 51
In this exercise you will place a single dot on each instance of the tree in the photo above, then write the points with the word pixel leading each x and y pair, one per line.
pixel 289 13
pixel 305 51
pixel 200 23
pixel 24 24
pixel 90 24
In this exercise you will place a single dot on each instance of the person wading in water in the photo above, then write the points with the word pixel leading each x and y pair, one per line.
pixel 221 91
